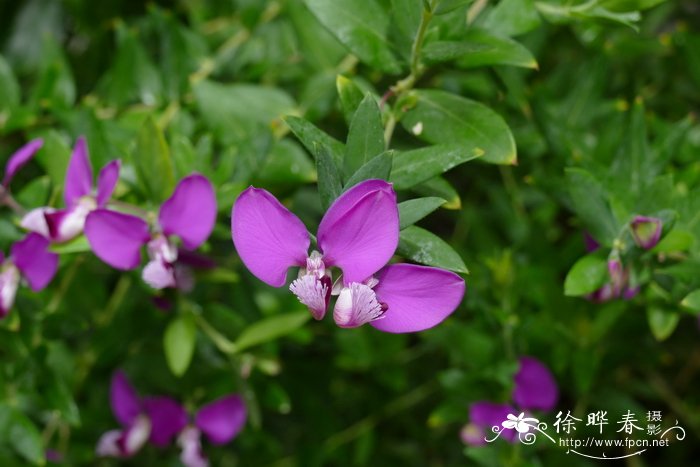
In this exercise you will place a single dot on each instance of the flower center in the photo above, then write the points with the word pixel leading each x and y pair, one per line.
pixel 357 304
pixel 313 285
pixel 159 273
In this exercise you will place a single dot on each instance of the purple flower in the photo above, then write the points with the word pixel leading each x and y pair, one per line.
pixel 154 419
pixel 534 389
pixel 20 158
pixel 358 234
pixel 190 213
pixel 220 421
pixel 646 231
pixel 535 386
pixel 31 260
pixel 483 416
pixel 618 286
pixel 80 196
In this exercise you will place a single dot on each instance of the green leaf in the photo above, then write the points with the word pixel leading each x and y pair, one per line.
pixel 330 184
pixel 587 275
pixel 675 240
pixel 590 10
pixel 179 342
pixel 362 26
pixel 426 248
pixel 21 434
pixel 287 163
pixel 311 136
pixel 692 302
pixel 9 87
pixel 153 162
pixel 440 117
pixel 269 329
pixel 512 18
pixel 377 167
pixel 350 96
pixel 441 188
pixel 447 6
pixel 54 156
pixel 36 192
pixel 418 165
pixel 365 137
pixel 77 245
pixel 413 210
pixel 590 202
pixel 480 48
pixel 662 322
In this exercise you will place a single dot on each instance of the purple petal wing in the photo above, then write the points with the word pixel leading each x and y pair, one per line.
pixel 418 297
pixel 222 419
pixel 20 158
pixel 123 399
pixel 106 181
pixel 360 231
pixel 190 212
pixel 116 238
pixel 268 237
pixel 485 415
pixel 79 174
pixel 167 417
pixel 32 257
pixel 535 386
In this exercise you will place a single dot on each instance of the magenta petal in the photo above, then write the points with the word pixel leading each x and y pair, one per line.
pixel 123 399
pixel 79 174
pixel 360 231
pixel 190 212
pixel 20 158
pixel 535 386
pixel 167 417
pixel 32 257
pixel 418 297
pixel 106 181
pixel 268 237
pixel 222 419
pixel 486 415
pixel 116 238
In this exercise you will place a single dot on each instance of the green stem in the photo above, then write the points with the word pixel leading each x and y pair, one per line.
pixel 7 199
pixel 221 342
pixel 406 84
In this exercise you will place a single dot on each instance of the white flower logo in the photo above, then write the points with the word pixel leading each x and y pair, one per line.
pixel 520 423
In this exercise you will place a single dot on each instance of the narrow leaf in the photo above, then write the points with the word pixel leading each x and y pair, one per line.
pixel 378 167
pixel 440 117
pixel 350 96
pixel 361 25
pixel 365 137
pixel 179 343
pixel 426 248
pixel 692 302
pixel 270 329
pixel 413 210
pixel 310 136
pixel 587 275
pixel 662 322
pixel 330 184
pixel 153 162
pixel 419 165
